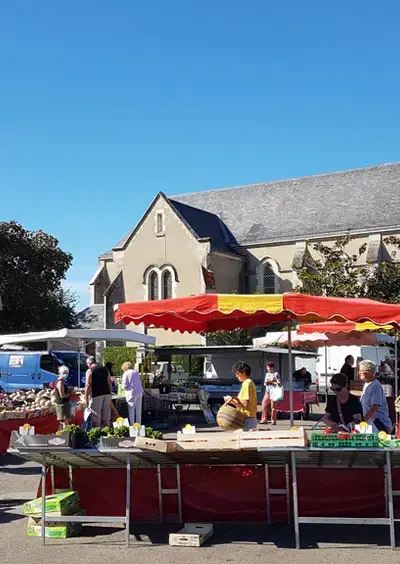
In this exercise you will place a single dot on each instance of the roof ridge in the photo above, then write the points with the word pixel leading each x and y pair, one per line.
pixel 320 175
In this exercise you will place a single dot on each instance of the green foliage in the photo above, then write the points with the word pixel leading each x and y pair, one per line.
pixel 119 355
pixel 226 338
pixel 333 271
pixel 73 429
pixel 95 434
pixel 33 267
pixel 153 434
pixel 197 363
pixel 121 432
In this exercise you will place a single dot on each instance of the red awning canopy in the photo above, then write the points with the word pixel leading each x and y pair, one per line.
pixel 214 312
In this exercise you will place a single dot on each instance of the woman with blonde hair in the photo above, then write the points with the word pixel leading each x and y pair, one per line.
pixel 132 385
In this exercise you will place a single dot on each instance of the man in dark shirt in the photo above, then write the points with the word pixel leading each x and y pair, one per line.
pixel 303 375
pixel 348 369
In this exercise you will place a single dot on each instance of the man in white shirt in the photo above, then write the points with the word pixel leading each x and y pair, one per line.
pixel 373 399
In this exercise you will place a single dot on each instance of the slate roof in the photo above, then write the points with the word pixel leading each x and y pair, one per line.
pixel 91 317
pixel 206 225
pixel 365 199
pixel 359 200
pixel 106 256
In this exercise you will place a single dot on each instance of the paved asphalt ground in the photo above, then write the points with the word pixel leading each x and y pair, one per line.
pixel 230 543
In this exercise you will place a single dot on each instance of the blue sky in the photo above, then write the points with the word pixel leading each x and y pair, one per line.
pixel 103 104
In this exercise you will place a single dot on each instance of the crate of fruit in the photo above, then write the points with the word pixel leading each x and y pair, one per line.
pixel 344 440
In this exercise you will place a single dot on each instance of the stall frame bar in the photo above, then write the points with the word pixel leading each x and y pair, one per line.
pixel 390 520
pixel 84 519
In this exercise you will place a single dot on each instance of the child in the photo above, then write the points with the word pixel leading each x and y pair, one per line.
pixel 247 398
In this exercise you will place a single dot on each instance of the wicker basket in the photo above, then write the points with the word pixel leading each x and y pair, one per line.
pixel 230 418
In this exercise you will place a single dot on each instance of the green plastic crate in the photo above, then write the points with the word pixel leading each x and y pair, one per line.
pixel 353 441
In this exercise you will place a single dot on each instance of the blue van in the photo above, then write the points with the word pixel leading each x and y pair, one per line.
pixel 26 370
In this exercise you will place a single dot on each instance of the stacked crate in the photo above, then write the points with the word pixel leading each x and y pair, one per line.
pixel 66 503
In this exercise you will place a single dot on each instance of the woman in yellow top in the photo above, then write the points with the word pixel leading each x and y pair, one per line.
pixel 247 398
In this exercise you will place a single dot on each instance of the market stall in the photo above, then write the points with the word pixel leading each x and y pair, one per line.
pixel 214 312
pixel 267 484
pixel 214 476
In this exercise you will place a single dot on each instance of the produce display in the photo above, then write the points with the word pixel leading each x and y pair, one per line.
pixel 344 440
pixel 92 438
pixel 23 404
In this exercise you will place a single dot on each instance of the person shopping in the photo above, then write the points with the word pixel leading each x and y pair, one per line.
pixel 373 399
pixel 61 396
pixel 133 387
pixel 246 401
pixel 98 393
pixel 272 380
pixel 343 410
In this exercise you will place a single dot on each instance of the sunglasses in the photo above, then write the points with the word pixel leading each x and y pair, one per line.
pixel 335 389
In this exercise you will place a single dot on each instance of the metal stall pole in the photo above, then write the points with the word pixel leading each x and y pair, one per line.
pixel 390 500
pixel 326 374
pixel 43 499
pixel 290 361
pixel 53 487
pixel 160 501
pixel 70 478
pixel 267 493
pixel 178 479
pixel 396 373
pixel 295 501
pixel 287 482
pixel 128 501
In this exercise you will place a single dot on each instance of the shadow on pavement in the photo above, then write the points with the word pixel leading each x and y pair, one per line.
pixel 10 510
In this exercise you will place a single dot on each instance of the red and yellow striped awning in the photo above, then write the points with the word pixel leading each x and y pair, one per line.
pixel 214 312
pixel 344 327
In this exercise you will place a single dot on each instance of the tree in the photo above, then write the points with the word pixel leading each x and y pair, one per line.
pixel 229 338
pixel 32 268
pixel 334 271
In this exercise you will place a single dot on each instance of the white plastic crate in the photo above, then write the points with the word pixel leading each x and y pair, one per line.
pixel 192 534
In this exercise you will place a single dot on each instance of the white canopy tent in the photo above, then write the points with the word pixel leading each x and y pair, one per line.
pixel 78 338
pixel 86 336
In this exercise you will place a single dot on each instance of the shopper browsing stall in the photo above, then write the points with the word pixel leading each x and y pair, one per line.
pixel 98 393
pixel 61 398
pixel 343 410
pixel 246 401
pixel 133 387
pixel 373 399
pixel 271 382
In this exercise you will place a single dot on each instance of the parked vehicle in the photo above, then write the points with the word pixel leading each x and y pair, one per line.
pixel 336 356
pixel 177 371
pixel 26 370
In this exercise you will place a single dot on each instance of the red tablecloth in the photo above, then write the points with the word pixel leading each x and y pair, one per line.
pixel 43 426
pixel 300 399
pixel 228 493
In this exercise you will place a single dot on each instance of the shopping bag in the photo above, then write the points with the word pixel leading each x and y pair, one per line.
pixel 276 393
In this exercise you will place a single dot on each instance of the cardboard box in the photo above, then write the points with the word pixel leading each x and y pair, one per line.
pixel 73 510
pixel 37 519
pixel 62 441
pixel 56 531
pixel 62 502
pixel 115 443
pixel 155 444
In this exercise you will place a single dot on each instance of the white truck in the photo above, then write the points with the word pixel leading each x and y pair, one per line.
pixel 332 363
